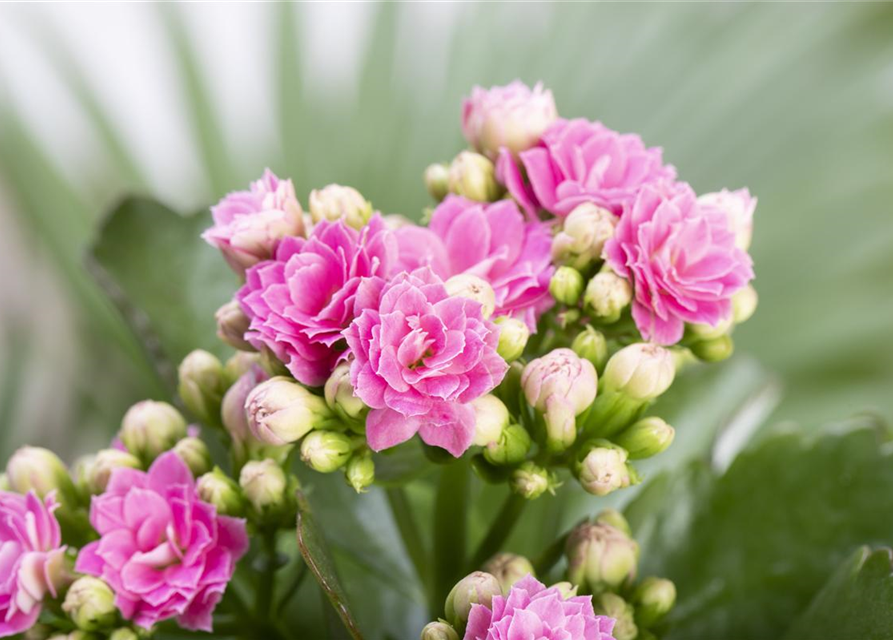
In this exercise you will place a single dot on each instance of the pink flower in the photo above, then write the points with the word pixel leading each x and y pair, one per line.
pixel 31 558
pixel 681 259
pixel 300 302
pixel 512 116
pixel 420 357
pixel 163 551
pixel 579 161
pixel 493 242
pixel 739 206
pixel 248 225
pixel 530 610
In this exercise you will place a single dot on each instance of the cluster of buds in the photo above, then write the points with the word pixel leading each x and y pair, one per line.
pixel 470 175
pixel 602 561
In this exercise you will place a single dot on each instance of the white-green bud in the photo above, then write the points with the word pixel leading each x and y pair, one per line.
pixel 714 350
pixel 39 470
pixel 466 285
pixel 508 568
pixel 326 451
pixel 264 485
pixel 221 491
pixel 4 482
pixel 150 428
pixel 439 630
pixel 511 448
pixel 613 518
pixel 360 471
pixel 703 331
pixel 646 438
pixel 641 371
pixel 94 472
pixel 513 336
pixel 744 303
pixel 491 418
pixel 281 411
pixel 475 588
pixel 601 557
pixel 238 365
pixel 473 176
pixel 613 606
pixel 340 396
pixel 232 324
pixel 530 481
pixel 566 589
pixel 583 235
pixel 124 633
pixel 437 180
pixel 591 345
pixel 653 599
pixel 90 603
pixel 202 385
pixel 607 295
pixel 194 452
pixel 601 467
pixel 335 202
pixel 566 285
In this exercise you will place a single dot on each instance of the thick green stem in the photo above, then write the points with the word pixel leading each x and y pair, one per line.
pixel 544 563
pixel 409 531
pixel 450 530
pixel 500 529
pixel 264 595
pixel 292 589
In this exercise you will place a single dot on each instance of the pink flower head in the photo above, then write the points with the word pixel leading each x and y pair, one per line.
pixel 248 225
pixel 579 161
pixel 300 302
pixel 530 610
pixel 739 207
pixel 31 558
pixel 513 116
pixel 491 241
pixel 681 259
pixel 162 550
pixel 419 357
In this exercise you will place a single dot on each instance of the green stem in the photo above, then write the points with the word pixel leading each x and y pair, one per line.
pixel 500 529
pixel 409 530
pixel 300 574
pixel 550 556
pixel 264 599
pixel 450 530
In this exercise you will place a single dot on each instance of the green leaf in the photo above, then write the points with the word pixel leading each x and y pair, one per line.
pixel 164 279
pixel 748 549
pixel 857 602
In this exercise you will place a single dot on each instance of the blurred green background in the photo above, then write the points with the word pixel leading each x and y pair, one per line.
pixel 185 102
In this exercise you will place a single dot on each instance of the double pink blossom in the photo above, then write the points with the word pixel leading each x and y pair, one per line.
pixel 420 356
pixel 163 551
pixel 31 559
pixel 578 161
pixel 681 258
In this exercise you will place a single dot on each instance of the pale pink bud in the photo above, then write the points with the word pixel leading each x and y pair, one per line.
pixel 281 411
pixel 583 235
pixel 641 371
pixel 466 285
pixel 739 206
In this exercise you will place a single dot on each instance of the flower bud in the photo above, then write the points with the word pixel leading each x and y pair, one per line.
pixel 340 395
pixel 202 385
pixel 475 588
pixel 566 589
pixel 474 177
pixel 714 350
pixel 232 409
pixel 646 438
pixel 653 599
pixel 601 467
pixel 511 448
pixel 491 418
pixel 583 236
pixel 150 428
pixel 591 345
pixel 437 180
pixel 124 633
pixel 326 451
pixel 566 285
pixel 264 485
pixel 744 303
pixel 4 482
pixel 237 365
pixel 513 336
pixel 232 324
pixel 466 285
pixel 38 470
pixel 95 471
pixel 218 489
pixel 335 202
pixel 281 411
pixel 600 557
pixel 614 518
pixel 613 606
pixel 530 481
pixel 194 452
pixel 508 568
pixel 360 471
pixel 607 295
pixel 90 603
pixel 641 371
pixel 439 630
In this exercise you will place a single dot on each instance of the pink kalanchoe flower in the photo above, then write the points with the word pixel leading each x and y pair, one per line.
pixel 513 116
pixel 31 559
pixel 682 261
pixel 578 161
pixel 248 225
pixel 420 356
pixel 739 206
pixel 491 241
pixel 530 610
pixel 162 550
pixel 300 302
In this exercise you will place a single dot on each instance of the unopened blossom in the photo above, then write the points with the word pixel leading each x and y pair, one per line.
pixel 530 610
pixel 281 411
pixel 739 207
pixel 578 162
pixel 601 556
pixel 248 225
pixel 420 357
pixel 301 301
pixel 163 551
pixel 640 371
pixel 513 117
pixel 583 235
pixel 335 202
pixel 31 559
